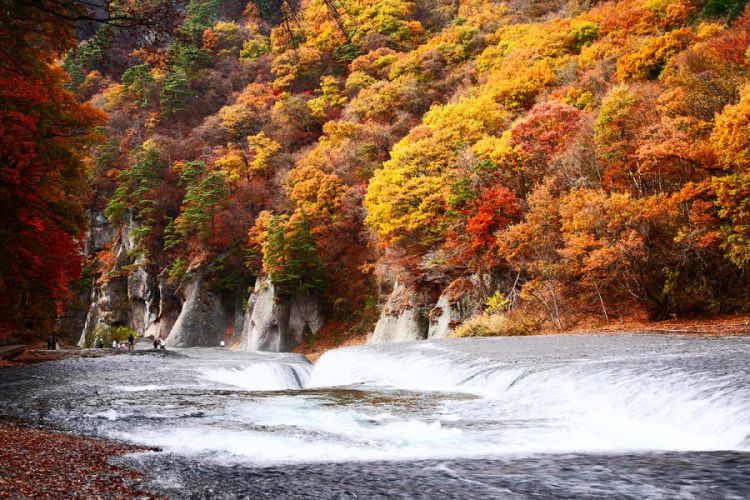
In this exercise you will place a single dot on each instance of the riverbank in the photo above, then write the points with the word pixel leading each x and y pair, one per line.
pixel 726 325
pixel 38 463
pixel 37 354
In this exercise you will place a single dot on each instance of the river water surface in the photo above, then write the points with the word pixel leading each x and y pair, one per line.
pixel 627 416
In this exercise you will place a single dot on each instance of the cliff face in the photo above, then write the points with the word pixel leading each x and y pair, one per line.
pixel 126 294
pixel 192 314
pixel 410 314
pixel 403 317
pixel 276 323
pixel 205 318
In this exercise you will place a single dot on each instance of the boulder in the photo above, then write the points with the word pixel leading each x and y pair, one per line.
pixel 277 324
pixel 458 302
pixel 203 318
pixel 402 319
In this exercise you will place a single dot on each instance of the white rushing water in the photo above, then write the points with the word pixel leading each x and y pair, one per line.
pixel 474 399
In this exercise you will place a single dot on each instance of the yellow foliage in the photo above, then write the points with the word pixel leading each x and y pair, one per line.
pixel 582 99
pixel 262 150
pixel 409 194
pixel 234 117
pixel 293 65
pixel 648 61
pixel 731 136
pixel 518 91
pixel 115 96
pixel 314 191
pixel 233 163
pixel 329 99
pixel 496 149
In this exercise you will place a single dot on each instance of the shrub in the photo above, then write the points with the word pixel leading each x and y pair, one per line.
pixel 108 333
pixel 496 325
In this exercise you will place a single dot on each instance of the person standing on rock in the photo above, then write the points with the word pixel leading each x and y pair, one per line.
pixel 51 342
pixel 131 342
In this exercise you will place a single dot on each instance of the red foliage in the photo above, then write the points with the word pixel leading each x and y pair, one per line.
pixel 44 133
pixel 474 241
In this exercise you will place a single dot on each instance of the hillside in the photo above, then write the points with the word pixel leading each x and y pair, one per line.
pixel 272 173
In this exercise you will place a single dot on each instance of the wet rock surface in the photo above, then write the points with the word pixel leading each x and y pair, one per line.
pixel 631 476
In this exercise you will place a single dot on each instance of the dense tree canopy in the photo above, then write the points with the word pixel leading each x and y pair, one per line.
pixel 598 154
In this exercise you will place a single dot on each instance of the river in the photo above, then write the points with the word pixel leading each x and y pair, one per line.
pixel 584 416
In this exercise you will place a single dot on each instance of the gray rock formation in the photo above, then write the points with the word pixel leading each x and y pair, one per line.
pixel 127 294
pixel 458 302
pixel 109 304
pixel 100 233
pixel 402 319
pixel 204 318
pixel 278 324
pixel 143 296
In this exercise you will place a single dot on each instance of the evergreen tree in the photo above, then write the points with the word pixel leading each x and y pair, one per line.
pixel 144 172
pixel 304 269
pixel 175 91
pixel 292 260
pixel 274 252
pixel 138 80
pixel 203 198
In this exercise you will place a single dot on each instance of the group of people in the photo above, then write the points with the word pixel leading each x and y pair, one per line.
pixel 52 342
pixel 130 346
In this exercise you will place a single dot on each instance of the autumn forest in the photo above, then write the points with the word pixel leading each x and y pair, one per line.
pixel 565 162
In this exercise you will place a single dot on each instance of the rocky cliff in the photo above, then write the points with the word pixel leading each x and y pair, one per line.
pixel 413 314
pixel 276 323
pixel 206 316
pixel 191 314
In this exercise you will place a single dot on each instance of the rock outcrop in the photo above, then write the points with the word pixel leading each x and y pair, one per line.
pixel 458 302
pixel 204 317
pixel 277 324
pixel 403 318
pixel 126 293
pixel 412 313
pixel 109 304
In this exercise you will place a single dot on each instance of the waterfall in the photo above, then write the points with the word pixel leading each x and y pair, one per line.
pixel 516 395
pixel 682 397
pixel 437 399
pixel 273 376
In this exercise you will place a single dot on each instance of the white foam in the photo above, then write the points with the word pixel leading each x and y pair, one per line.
pixel 259 376
pixel 144 388
pixel 110 415
pixel 610 404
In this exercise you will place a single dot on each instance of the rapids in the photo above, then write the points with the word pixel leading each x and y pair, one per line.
pixel 454 411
